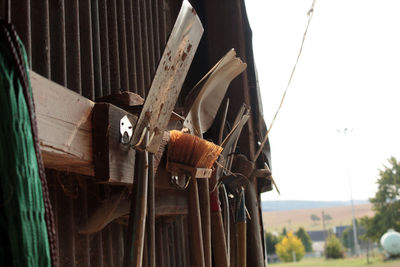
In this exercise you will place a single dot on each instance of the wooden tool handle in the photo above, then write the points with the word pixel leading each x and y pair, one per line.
pixel 218 240
pixel 137 216
pixel 195 221
pixel 151 214
pixel 241 244
pixel 204 197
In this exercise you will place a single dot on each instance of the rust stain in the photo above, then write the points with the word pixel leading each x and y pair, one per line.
pixel 148 115
pixel 189 48
pixel 184 55
pixel 173 67
pixel 161 107
pixel 169 58
pixel 156 131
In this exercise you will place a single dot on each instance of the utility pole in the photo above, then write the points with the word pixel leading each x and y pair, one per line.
pixel 346 132
pixel 357 249
pixel 323 226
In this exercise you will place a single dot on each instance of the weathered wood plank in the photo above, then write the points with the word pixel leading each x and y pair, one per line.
pixel 65 129
pixel 64 126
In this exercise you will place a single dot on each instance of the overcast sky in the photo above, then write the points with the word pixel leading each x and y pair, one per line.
pixel 348 77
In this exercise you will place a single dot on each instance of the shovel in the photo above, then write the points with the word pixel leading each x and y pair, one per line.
pixel 153 121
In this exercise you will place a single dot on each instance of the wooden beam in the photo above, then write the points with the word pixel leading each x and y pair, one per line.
pixel 64 121
pixel 64 126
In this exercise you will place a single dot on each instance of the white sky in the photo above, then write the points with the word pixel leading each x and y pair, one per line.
pixel 348 76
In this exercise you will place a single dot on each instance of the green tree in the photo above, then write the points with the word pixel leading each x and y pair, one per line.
pixel 288 246
pixel 365 223
pixel 327 217
pixel 386 202
pixel 315 218
pixel 333 248
pixel 271 240
pixel 347 238
pixel 305 239
pixel 284 232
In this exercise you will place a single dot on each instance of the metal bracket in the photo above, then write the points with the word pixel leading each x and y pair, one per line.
pixel 126 130
pixel 175 181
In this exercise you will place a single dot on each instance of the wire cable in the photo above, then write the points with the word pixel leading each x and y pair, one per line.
pixel 310 15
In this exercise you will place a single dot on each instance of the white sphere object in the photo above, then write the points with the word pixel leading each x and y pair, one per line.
pixel 390 242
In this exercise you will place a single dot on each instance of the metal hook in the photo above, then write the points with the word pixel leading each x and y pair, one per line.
pixel 174 181
pixel 126 130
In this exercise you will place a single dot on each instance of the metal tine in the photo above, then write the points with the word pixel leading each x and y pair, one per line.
pixel 223 122
pixel 230 142
pixel 241 230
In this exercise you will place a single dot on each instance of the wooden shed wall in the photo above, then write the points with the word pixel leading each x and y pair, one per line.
pixel 100 47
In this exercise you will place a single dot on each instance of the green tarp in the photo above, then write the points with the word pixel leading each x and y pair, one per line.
pixel 23 234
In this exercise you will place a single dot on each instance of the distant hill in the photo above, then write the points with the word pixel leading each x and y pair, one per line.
pixel 274 221
pixel 281 205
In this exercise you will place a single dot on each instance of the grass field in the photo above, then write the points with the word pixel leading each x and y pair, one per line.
pixel 293 219
pixel 349 262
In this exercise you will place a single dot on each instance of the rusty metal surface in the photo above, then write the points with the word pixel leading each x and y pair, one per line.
pixel 57 42
pixel 72 37
pixel 113 46
pixel 96 49
pixel 21 18
pixel 104 49
pixel 123 60
pixel 130 40
pixel 40 37
pixel 141 89
pixel 145 43
pixel 171 73
pixel 156 31
pixel 86 46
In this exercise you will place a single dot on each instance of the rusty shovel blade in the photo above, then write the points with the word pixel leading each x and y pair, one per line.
pixel 170 75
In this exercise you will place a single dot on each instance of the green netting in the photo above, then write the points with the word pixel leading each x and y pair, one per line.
pixel 24 240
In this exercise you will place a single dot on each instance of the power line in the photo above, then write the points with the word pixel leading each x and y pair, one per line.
pixel 310 15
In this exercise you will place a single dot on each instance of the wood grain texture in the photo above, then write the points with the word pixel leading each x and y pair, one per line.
pixel 196 227
pixel 65 130
pixel 64 126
